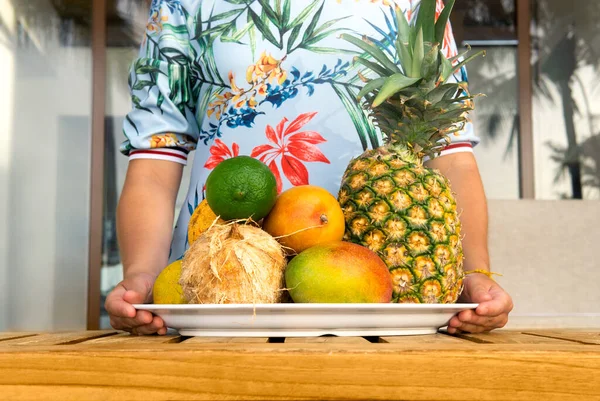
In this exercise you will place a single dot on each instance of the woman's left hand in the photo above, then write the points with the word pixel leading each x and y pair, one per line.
pixel 494 306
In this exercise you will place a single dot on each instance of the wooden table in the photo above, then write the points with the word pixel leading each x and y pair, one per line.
pixel 109 365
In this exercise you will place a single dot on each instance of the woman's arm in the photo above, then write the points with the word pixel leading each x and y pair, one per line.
pixel 144 223
pixel 145 215
pixel 494 303
pixel 462 172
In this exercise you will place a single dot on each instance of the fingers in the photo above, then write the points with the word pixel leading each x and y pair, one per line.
pixel 116 306
pixel 134 297
pixel 469 316
pixel 474 323
pixel 501 303
pixel 124 316
pixel 478 293
pixel 140 318
pixel 127 292
pixel 155 326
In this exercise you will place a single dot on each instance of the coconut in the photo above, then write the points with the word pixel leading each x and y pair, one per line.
pixel 234 263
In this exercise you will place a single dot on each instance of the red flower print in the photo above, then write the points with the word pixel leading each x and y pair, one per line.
pixel 292 147
pixel 219 152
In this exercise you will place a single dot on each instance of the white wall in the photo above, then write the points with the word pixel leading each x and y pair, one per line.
pixel 547 252
pixel 7 20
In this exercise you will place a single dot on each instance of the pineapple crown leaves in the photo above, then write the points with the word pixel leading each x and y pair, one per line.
pixel 411 100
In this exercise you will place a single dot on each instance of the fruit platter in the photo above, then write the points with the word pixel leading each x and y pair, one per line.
pixel 384 257
pixel 306 320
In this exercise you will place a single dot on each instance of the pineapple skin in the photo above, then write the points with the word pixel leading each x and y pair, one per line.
pixel 406 213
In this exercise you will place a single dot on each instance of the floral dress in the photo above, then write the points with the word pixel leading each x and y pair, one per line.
pixel 270 79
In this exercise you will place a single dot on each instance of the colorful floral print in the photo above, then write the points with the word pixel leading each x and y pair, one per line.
pixel 268 79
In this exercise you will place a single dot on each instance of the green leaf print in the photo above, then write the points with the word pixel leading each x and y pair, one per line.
pixel 175 55
pixel 329 24
pixel 299 20
pixel 366 130
pixel 146 69
pixel 138 104
pixel 219 29
pixel 198 24
pixel 178 85
pixel 317 38
pixel 273 23
pixel 330 50
pixel 132 124
pixel 287 7
pixel 263 28
pixel 160 101
pixel 225 15
pixel 308 33
pixel 293 37
pixel 176 29
pixel 252 37
pixel 139 85
pixel 270 13
pixel 237 35
pixel 203 103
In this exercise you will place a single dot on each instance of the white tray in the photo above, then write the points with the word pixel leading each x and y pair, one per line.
pixel 305 320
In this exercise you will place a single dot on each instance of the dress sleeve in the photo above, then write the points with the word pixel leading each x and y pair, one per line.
pixel 466 139
pixel 162 123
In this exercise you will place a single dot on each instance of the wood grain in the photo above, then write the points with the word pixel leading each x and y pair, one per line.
pixel 506 337
pixel 327 339
pixel 12 336
pixel 229 340
pixel 425 339
pixel 126 338
pixel 65 338
pixel 319 374
pixel 584 337
pixel 108 365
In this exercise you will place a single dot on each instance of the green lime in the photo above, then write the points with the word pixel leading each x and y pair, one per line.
pixel 241 187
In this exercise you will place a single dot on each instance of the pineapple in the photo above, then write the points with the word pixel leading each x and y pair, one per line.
pixel 392 203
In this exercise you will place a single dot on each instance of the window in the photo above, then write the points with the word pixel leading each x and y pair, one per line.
pixel 566 107
pixel 45 132
pixel 490 25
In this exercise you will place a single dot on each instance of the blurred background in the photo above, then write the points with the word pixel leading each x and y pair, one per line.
pixel 64 68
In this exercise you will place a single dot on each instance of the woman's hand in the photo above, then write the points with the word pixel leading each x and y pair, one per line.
pixel 494 306
pixel 134 289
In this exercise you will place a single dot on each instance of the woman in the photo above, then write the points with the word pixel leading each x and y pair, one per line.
pixel 232 77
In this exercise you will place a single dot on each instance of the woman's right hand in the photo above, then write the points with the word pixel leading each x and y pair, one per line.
pixel 136 288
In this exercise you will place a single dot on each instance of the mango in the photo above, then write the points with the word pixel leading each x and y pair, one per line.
pixel 338 272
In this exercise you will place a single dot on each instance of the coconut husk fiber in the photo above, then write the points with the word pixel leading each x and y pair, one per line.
pixel 234 263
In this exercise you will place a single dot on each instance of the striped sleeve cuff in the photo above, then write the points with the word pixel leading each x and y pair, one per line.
pixel 173 155
pixel 453 148
pixel 457 148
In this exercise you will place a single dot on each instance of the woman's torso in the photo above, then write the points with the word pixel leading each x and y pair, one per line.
pixel 280 87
